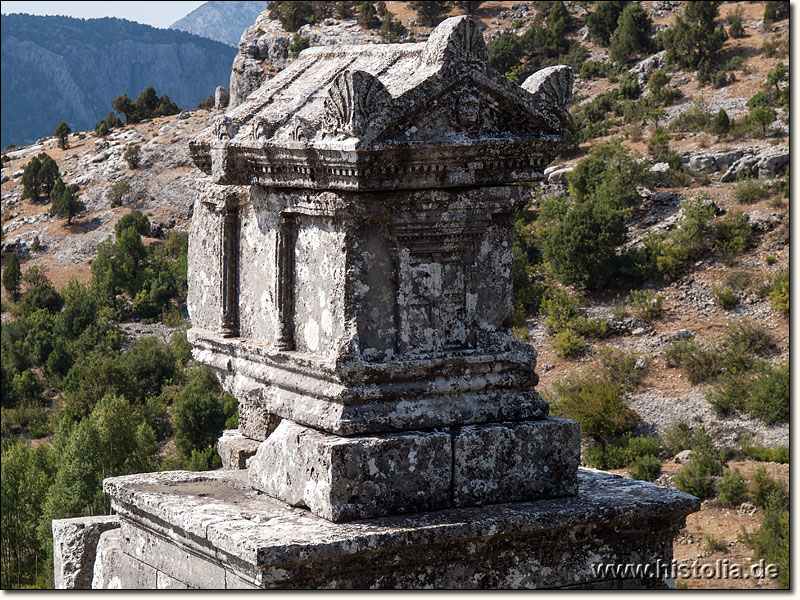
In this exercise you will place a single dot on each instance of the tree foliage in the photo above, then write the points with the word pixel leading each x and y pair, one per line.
pixel 12 276
pixel 505 52
pixel 39 176
pixel 695 37
pixel 602 22
pixel 430 12
pixel 65 202
pixel 147 106
pixel 62 133
pixel 631 39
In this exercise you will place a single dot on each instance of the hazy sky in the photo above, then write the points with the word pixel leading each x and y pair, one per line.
pixel 158 14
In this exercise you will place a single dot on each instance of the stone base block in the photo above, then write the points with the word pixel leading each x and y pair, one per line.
pixel 208 529
pixel 234 449
pixel 357 477
pixel 74 547
pixel 345 478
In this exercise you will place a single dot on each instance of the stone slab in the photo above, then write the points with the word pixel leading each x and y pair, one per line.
pixel 234 449
pixel 542 544
pixel 116 570
pixel 512 462
pixel 346 478
pixel 74 549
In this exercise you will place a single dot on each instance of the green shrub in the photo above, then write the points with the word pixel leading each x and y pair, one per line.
pixel 724 296
pixel 722 123
pixel 582 248
pixel 118 191
pixel 749 191
pixel 299 43
pixel 602 22
pixel 681 437
pixel 133 156
pixel 770 260
pixel 728 398
pixel 771 541
pixel 732 235
pixel 769 396
pixel 699 364
pixel 646 468
pixel 749 337
pixel 714 544
pixel 775 10
pixel 203 460
pixel 738 280
pixel 559 309
pixel 596 404
pixel 763 489
pixel 696 478
pixel 779 454
pixel 761 117
pixel 732 488
pixel 207 103
pixel 646 304
pixel 779 293
pixel 621 452
pixel 620 367
pixel 505 52
pixel 568 343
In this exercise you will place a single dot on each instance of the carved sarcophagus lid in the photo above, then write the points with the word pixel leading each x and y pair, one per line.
pixel 392 116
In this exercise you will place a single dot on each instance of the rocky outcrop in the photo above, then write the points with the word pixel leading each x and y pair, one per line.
pixel 264 50
pixel 62 69
pixel 763 163
pixel 643 68
pixel 220 21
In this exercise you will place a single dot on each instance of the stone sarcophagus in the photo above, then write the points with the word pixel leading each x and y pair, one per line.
pixel 361 295
pixel 357 301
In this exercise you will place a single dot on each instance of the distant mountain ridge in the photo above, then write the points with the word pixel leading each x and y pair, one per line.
pixel 62 68
pixel 221 21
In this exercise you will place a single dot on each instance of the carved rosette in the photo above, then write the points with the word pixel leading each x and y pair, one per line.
pixel 354 98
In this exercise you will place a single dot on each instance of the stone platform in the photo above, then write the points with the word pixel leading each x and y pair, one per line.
pixel 212 530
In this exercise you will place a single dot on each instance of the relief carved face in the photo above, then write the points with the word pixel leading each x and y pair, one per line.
pixel 468 110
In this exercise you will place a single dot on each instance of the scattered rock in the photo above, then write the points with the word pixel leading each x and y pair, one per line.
pixel 674 336
pixel 683 457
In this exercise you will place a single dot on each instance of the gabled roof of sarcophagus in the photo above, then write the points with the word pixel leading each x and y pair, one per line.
pixel 392 116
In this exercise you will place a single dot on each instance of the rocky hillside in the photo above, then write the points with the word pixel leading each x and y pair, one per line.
pixel 62 69
pixel 220 21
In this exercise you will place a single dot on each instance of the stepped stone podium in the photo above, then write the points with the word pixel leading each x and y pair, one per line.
pixel 358 303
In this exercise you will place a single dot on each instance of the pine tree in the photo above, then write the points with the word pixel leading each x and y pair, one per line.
pixel 695 37
pixel 65 201
pixel 430 12
pixel 468 6
pixel 12 276
pixel 722 123
pixel 602 23
pixel 632 36
pixel 62 132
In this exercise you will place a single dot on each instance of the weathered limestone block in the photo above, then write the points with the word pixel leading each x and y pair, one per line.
pixel 147 548
pixel 116 570
pixel 263 542
pixel 74 548
pixel 234 449
pixel 345 478
pixel 513 462
pixel 221 97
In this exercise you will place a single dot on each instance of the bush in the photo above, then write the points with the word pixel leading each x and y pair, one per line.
pixel 775 10
pixel 748 337
pixel 771 541
pixel 133 156
pixel 620 367
pixel 207 103
pixel 118 191
pixel 391 30
pixel 769 396
pixel 699 364
pixel 779 454
pixel 299 43
pixel 779 293
pixel 292 15
pixel 596 404
pixel 568 343
pixel 722 123
pixel 732 235
pixel 62 133
pixel 735 29
pixel 732 488
pixel 505 52
pixel 725 297
pixel 729 398
pixel 199 415
pixel 763 489
pixel 681 437
pixel 696 478
pixel 646 468
pixel 646 304
pixel 621 452
pixel 749 191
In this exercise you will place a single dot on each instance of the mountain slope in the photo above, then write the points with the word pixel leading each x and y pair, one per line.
pixel 60 68
pixel 220 21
